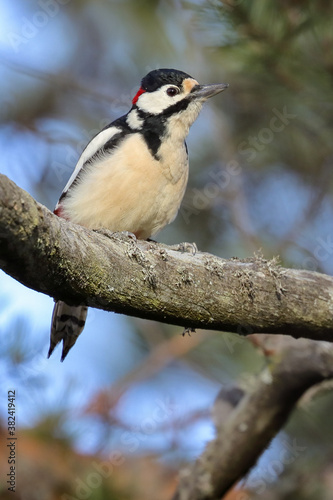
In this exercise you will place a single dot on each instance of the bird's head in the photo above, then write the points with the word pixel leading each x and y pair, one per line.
pixel 167 92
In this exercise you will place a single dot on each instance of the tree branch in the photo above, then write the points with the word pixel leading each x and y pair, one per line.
pixel 150 280
pixel 258 416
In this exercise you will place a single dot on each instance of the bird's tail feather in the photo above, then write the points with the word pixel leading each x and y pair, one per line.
pixel 67 324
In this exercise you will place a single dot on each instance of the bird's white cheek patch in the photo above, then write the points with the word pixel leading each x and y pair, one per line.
pixel 156 102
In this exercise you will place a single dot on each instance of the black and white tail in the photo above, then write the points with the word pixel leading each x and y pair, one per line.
pixel 67 324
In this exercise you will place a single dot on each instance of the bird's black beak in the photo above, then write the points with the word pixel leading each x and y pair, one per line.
pixel 203 92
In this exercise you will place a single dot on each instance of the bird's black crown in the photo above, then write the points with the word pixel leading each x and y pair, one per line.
pixel 159 77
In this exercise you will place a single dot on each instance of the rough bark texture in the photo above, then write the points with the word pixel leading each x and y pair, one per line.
pixel 257 418
pixel 149 280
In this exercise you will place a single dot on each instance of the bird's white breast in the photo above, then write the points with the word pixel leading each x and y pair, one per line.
pixel 128 190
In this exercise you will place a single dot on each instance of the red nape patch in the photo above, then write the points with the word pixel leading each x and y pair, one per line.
pixel 140 91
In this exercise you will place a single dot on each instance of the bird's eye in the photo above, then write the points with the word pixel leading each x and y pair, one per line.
pixel 172 91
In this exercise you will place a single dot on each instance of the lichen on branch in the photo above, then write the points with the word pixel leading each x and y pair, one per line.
pixel 150 280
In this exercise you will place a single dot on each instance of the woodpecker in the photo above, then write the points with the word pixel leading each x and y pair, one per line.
pixel 132 175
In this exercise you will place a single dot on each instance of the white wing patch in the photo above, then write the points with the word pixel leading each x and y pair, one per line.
pixel 94 145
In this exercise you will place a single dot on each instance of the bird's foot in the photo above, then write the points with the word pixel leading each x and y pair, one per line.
pixel 125 235
pixel 185 247
pixel 188 330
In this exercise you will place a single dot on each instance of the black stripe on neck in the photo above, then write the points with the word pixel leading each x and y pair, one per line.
pixel 154 127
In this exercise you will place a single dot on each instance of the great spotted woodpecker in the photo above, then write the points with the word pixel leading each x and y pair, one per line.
pixel 132 175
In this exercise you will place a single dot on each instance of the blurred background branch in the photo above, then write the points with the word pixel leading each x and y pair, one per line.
pixel 259 413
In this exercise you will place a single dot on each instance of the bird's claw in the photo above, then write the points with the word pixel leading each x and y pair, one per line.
pixel 185 247
pixel 188 330
pixel 124 235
